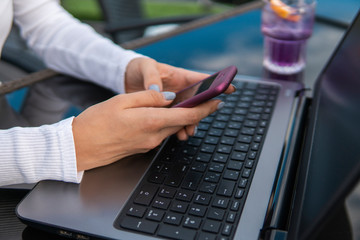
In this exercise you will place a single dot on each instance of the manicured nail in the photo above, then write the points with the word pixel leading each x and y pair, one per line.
pixel 220 105
pixel 195 130
pixel 154 87
pixel 169 95
pixel 234 87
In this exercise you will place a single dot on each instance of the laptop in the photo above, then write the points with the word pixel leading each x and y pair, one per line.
pixel 271 164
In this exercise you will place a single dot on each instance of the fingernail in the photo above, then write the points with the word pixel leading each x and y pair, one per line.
pixel 169 95
pixel 195 130
pixel 154 87
pixel 220 105
pixel 234 87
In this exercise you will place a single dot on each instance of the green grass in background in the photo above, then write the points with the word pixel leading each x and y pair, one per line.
pixel 90 10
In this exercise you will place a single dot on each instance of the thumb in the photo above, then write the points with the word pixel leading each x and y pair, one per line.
pixel 149 98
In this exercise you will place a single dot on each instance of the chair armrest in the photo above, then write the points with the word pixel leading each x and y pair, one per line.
pixel 142 23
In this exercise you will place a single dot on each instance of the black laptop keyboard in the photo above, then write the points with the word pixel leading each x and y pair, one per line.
pixel 197 189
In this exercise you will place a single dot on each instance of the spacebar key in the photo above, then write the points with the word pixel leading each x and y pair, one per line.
pixel 176 233
pixel 138 224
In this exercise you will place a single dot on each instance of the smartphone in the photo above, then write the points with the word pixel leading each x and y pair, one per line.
pixel 206 89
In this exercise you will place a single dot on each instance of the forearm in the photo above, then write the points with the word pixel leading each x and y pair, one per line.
pixel 68 46
pixel 29 155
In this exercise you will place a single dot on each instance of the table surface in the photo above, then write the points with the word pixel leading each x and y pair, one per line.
pixel 236 40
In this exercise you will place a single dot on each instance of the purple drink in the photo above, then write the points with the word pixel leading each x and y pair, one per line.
pixel 286 29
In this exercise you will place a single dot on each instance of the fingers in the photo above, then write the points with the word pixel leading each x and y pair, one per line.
pixel 187 76
pixel 230 89
pixel 180 117
pixel 151 75
pixel 148 98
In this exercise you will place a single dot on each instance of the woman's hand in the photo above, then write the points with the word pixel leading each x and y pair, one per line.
pixel 146 73
pixel 128 124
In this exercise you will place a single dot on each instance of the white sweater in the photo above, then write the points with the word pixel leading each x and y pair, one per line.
pixel 28 155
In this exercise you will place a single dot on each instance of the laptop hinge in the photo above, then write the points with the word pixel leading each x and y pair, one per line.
pixel 275 234
pixel 279 209
pixel 278 235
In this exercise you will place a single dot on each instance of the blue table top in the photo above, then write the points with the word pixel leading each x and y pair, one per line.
pixel 238 41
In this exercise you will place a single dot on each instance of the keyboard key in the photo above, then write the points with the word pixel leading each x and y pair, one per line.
pixel 208 119
pixel 239 193
pixel 197 210
pixel 167 192
pixel 192 222
pixel 235 205
pixel 156 177
pixel 239 156
pixel 234 125
pixel 235 165
pixel 191 180
pixel 246 173
pixel 243 182
pixel 207 187
pixel 207 148
pixel 226 110
pixel 223 118
pixel 241 111
pixel 211 140
pixel 260 131
pixel 203 126
pixel 173 218
pixel 176 233
pixel 212 177
pixel 216 214
pixel 194 142
pixel 231 217
pixel 161 203
pixel 203 157
pixel 257 138
pixel 224 149
pixel 255 146
pixel 184 195
pixel 206 236
pixel 251 123
pixel 173 180
pixel 228 140
pixel 215 132
pixel 218 124
pixel 199 167
pixel 226 188
pixel 226 230
pixel 139 225
pixel 243 147
pixel 220 202
pixel 146 194
pixel 179 206
pixel 155 215
pixel 248 131
pixel 216 167
pixel 202 199
pixel 252 155
pixel 219 157
pixel 231 132
pixel 249 163
pixel 136 211
pixel 237 118
pixel 244 139
pixel 231 175
pixel 211 226
pixel 200 134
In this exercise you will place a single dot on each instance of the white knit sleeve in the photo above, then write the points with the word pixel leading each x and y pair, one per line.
pixel 70 47
pixel 29 155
